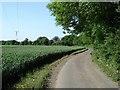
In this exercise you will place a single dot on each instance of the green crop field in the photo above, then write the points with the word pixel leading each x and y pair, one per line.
pixel 17 60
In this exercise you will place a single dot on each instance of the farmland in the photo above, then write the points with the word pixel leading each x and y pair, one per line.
pixel 18 60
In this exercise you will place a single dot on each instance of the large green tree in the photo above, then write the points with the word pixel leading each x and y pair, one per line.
pixel 67 15
pixel 97 23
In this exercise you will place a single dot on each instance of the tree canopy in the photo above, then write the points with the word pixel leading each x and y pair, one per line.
pixel 42 41
pixel 96 23
pixel 76 17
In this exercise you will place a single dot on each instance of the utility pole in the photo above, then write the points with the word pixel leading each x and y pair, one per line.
pixel 16 33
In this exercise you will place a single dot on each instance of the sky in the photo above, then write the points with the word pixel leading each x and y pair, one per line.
pixel 30 19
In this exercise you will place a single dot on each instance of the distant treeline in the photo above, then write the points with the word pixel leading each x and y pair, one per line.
pixel 68 40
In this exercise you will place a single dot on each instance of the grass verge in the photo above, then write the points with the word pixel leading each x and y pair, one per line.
pixel 109 71
pixel 38 78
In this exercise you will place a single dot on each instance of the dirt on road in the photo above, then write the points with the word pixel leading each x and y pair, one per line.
pixel 80 72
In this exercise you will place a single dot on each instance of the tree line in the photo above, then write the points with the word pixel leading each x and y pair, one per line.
pixel 68 40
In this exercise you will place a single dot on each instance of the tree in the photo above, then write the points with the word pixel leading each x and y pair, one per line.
pixel 78 40
pixel 78 17
pixel 10 42
pixel 99 23
pixel 42 41
pixel 25 42
pixel 56 38
pixel 50 42
pixel 30 42
pixel 67 40
pixel 67 15
pixel 56 41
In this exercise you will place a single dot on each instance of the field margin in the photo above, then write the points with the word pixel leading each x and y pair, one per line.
pixel 110 72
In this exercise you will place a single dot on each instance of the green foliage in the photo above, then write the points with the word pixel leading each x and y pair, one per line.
pixel 97 23
pixel 67 15
pixel 41 41
pixel 56 38
pixel 9 42
pixel 50 42
pixel 67 40
pixel 25 42
pixel 78 41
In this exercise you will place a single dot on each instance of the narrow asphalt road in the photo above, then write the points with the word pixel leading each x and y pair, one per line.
pixel 81 72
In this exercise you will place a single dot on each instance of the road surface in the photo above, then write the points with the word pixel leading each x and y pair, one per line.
pixel 81 72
